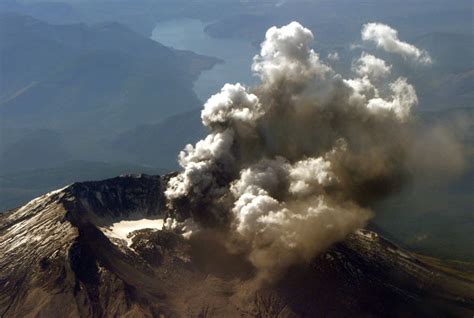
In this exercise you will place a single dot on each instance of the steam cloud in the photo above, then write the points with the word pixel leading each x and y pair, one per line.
pixel 386 38
pixel 293 165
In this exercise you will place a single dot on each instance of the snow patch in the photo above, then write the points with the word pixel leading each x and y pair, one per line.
pixel 122 230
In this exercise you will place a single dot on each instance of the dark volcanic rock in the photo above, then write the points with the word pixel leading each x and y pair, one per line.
pixel 60 258
pixel 119 197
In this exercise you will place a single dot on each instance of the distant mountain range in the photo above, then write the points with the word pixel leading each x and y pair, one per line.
pixel 83 84
pixel 90 77
pixel 68 91
pixel 139 15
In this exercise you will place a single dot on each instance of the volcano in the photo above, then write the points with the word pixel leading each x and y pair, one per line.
pixel 98 249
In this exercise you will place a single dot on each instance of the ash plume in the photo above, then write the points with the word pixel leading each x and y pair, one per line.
pixel 293 165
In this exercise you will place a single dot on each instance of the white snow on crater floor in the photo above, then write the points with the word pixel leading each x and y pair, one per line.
pixel 121 230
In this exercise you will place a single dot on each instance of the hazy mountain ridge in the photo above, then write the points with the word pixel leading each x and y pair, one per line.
pixel 102 59
pixel 140 16
pixel 186 127
pixel 85 83
pixel 419 17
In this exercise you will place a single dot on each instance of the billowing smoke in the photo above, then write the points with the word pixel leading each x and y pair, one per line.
pixel 293 165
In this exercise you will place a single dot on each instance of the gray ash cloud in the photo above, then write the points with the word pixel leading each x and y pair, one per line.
pixel 294 164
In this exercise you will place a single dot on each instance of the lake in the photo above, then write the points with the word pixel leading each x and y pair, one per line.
pixel 237 54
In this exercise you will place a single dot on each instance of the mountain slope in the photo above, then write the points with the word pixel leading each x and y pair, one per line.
pixel 168 137
pixel 66 253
